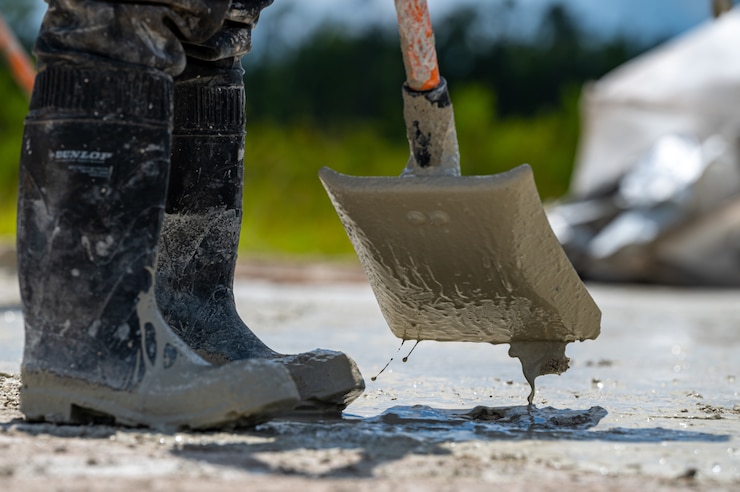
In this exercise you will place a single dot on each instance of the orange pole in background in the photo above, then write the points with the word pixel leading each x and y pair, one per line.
pixel 18 60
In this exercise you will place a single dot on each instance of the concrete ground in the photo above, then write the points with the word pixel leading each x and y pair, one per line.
pixel 652 404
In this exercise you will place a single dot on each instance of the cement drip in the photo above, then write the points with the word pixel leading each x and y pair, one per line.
pixel 539 359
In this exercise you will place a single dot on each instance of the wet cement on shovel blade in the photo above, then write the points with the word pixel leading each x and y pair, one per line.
pixel 467 259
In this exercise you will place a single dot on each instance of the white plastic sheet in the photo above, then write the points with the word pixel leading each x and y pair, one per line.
pixel 655 194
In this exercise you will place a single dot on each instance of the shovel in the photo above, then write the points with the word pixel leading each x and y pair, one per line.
pixel 460 258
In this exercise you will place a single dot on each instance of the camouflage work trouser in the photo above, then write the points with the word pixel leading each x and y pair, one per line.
pixel 159 34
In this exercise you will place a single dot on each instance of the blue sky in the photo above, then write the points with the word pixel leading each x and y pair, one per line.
pixel 644 19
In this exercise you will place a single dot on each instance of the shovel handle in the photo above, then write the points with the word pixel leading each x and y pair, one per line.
pixel 417 44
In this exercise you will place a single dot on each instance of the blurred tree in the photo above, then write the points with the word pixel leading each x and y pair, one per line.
pixel 19 14
pixel 336 76
pixel 332 79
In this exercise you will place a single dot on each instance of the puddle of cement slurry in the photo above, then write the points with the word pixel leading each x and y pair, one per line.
pixel 428 425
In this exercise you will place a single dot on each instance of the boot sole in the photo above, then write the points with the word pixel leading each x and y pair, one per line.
pixel 47 397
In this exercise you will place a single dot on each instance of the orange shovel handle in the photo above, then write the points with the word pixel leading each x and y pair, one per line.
pixel 417 44
pixel 19 62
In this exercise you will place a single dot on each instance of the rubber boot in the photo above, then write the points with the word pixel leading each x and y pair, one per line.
pixel 200 237
pixel 94 171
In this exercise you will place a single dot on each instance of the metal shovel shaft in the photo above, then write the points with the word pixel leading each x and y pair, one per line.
pixel 427 109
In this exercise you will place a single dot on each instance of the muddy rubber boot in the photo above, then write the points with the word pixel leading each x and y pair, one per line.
pixel 94 171
pixel 200 237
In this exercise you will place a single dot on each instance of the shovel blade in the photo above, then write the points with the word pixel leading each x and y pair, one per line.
pixel 469 259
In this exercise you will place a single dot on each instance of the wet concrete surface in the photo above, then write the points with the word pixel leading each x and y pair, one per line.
pixel 654 401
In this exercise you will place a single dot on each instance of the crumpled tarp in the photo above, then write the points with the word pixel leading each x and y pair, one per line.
pixel 655 195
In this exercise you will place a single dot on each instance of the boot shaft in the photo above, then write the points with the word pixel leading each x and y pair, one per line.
pixel 200 236
pixel 204 200
pixel 93 178
pixel 208 138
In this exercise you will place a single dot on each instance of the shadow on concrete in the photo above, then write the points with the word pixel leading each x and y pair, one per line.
pixel 283 446
pixel 88 431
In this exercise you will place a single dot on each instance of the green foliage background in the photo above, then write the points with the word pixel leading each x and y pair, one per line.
pixel 12 112
pixel 335 101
